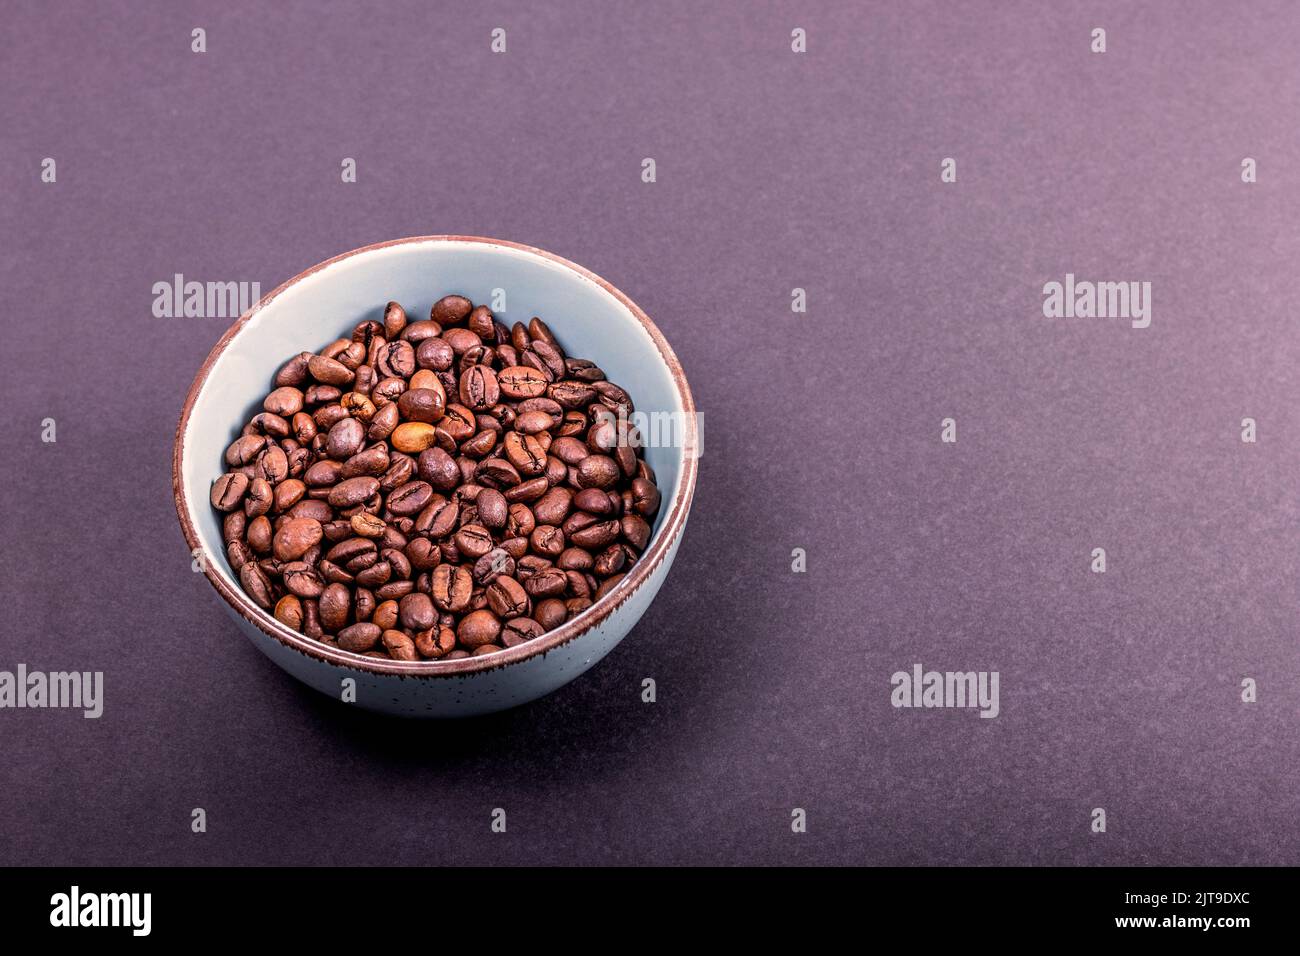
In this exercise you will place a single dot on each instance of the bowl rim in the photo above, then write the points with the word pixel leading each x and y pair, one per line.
pixel 669 530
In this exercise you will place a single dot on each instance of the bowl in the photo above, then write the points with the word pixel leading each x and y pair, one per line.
pixel 588 316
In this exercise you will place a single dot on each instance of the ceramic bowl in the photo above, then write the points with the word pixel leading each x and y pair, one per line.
pixel 586 313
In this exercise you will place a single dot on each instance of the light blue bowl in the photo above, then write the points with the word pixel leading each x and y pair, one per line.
pixel 587 315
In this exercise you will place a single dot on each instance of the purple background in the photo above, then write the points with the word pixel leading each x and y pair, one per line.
pixel 775 170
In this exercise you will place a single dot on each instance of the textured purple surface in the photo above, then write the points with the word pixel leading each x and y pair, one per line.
pixel 775 170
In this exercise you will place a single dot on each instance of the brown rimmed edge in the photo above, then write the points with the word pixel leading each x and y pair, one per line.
pixel 669 530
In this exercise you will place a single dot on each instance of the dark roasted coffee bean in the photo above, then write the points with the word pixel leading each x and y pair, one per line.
pixel 394 320
pixel 635 530
pixel 479 388
pixel 645 497
pixel 547 540
pixel 295 536
pixel 518 630
pixel 327 371
pixel 551 358
pixel 417 612
pixel 492 565
pixel 574 559
pixel 473 541
pixel 478 628
pixel 597 471
pixel 527 491
pixel 294 371
pixel 423 404
pixel 410 498
pixel 399 646
pixel 228 491
pixel 451 587
pixel 256 584
pixel 610 561
pixel 439 469
pixel 259 535
pixel 244 450
pixel 553 507
pixel 359 637
pixel 233 526
pixel 435 642
pixel 450 310
pixel 549 582
pixel 436 354
pixel 550 613
pixel 259 498
pixel 596 536
pixel 608 585
pixel 345 439
pixel 583 370
pixel 493 509
pixel 571 394
pixel 521 381
pixel 396 359
pixel 335 604
pixel 353 491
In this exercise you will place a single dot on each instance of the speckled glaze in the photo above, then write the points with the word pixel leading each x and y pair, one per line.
pixel 307 312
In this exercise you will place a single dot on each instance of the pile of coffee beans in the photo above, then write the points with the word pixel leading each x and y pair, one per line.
pixel 436 489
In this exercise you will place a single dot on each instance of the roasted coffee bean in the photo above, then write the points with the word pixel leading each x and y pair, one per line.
pixel 645 497
pixel 461 341
pixel 548 582
pixel 399 646
pixel 383 422
pixel 526 491
pixel 547 540
pixel 423 404
pixel 478 628
pixel 518 630
pixel 435 642
pixel 327 371
pixel 285 402
pixel 450 310
pixel 288 611
pixel 521 381
pixel 553 507
pixel 396 359
pixel 233 526
pixel 479 388
pixel 525 453
pixel 244 450
pixel 493 509
pixel 228 491
pixel 300 579
pixel 259 534
pixel 574 559
pixel 353 491
pixel 596 536
pixel 295 536
pixel 359 637
pixel 256 584
pixel 451 587
pixel 410 498
pixel 365 510
pixel 436 354
pixel 394 320
pixel 473 541
pixel 259 498
pixel 550 613
pixel 294 371
pixel 345 439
